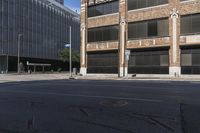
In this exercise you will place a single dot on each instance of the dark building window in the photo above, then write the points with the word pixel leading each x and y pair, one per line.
pixel 149 61
pixel 146 29
pixel 104 62
pixel 190 24
pixel 190 61
pixel 107 33
pixel 103 8
pixel 152 28
pixel 136 4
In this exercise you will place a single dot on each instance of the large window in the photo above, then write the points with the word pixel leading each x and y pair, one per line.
pixel 146 29
pixel 190 24
pixel 149 61
pixel 190 61
pixel 103 62
pixel 103 8
pixel 136 4
pixel 107 33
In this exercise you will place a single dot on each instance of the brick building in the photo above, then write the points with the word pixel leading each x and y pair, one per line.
pixel 163 36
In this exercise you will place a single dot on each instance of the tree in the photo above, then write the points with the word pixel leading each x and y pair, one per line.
pixel 64 55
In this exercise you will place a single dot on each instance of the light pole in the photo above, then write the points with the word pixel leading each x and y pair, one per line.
pixel 70 52
pixel 18 60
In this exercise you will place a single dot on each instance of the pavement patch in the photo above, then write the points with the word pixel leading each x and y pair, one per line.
pixel 190 118
pixel 113 103
pixel 2 130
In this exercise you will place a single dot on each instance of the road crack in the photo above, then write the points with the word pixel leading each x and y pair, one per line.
pixel 183 121
pixel 103 125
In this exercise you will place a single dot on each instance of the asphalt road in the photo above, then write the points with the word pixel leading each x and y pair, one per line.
pixel 82 106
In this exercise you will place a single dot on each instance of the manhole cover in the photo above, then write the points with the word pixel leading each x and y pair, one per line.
pixel 114 103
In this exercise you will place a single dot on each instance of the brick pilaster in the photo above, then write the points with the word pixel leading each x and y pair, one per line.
pixel 83 58
pixel 174 31
pixel 122 37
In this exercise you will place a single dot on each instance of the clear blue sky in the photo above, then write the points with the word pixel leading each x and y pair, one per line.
pixel 73 4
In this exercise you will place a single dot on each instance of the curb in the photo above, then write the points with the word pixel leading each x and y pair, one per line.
pixel 138 79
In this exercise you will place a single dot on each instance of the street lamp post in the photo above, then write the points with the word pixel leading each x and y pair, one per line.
pixel 69 45
pixel 70 52
pixel 18 56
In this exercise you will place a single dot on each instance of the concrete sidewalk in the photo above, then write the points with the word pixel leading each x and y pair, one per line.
pixel 60 76
pixel 140 77
pixel 32 77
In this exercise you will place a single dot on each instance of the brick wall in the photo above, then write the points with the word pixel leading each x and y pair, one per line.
pixel 162 11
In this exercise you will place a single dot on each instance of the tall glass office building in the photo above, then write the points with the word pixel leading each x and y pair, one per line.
pixel 37 30
pixel 60 1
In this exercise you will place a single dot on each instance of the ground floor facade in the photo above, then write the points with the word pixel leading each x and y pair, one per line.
pixel 37 31
pixel 145 61
pixel 9 64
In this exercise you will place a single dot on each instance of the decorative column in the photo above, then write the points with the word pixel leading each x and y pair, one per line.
pixel 174 69
pixel 83 69
pixel 123 69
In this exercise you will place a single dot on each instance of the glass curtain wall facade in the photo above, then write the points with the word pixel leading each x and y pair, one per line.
pixel 60 1
pixel 44 29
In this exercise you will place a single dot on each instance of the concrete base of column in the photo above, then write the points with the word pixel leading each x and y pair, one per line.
pixel 126 71
pixel 123 71
pixel 83 71
pixel 175 71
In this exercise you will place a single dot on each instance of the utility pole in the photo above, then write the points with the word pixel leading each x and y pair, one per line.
pixel 70 52
pixel 68 45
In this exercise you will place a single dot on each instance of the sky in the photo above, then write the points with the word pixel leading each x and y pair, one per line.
pixel 73 4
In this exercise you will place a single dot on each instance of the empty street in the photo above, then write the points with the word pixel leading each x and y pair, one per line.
pixel 91 106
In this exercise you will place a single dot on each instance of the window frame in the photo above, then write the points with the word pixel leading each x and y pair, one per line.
pixel 147 30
